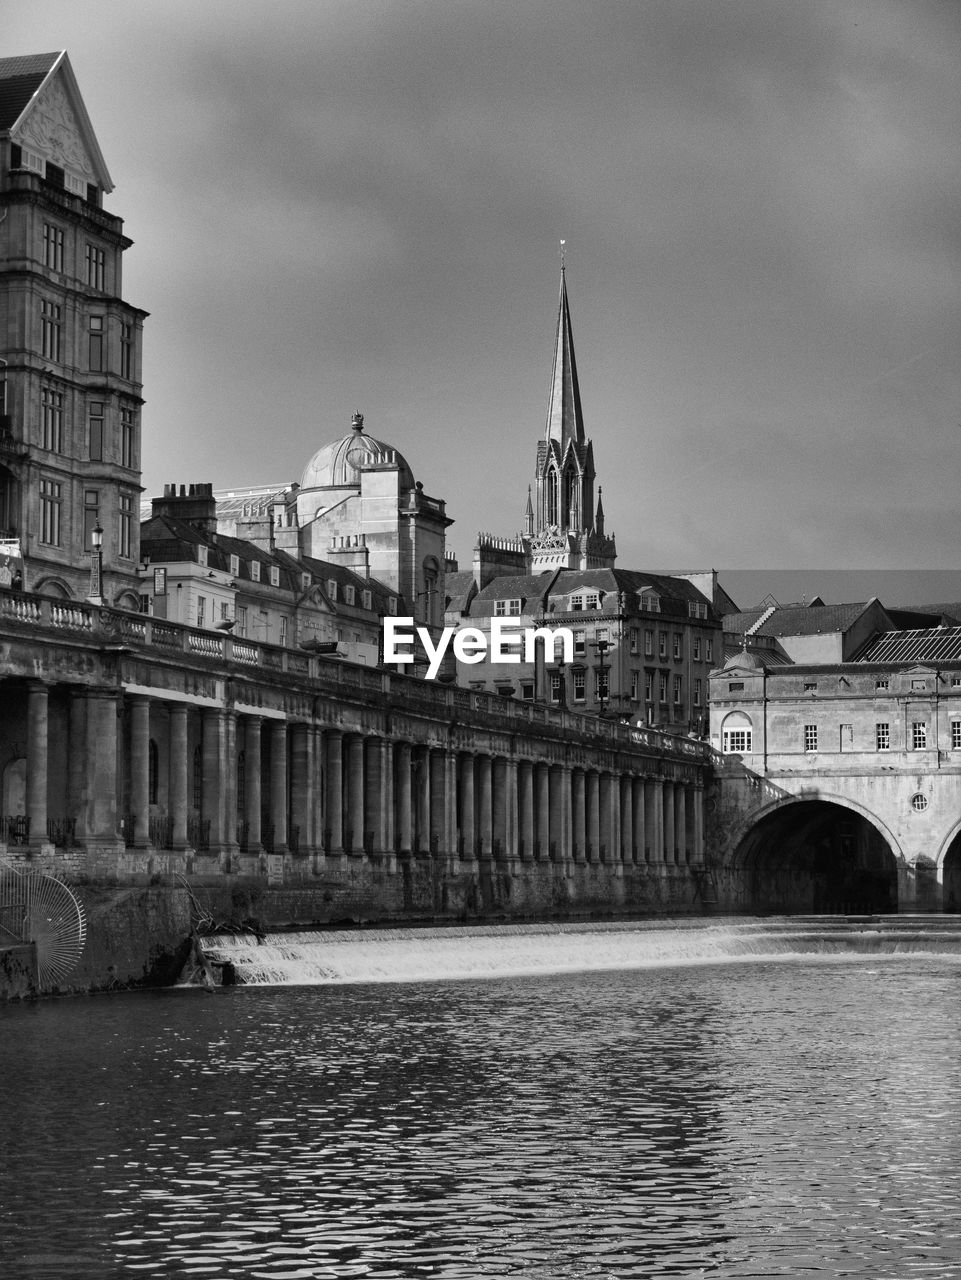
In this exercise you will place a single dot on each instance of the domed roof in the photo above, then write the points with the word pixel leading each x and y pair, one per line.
pixel 338 465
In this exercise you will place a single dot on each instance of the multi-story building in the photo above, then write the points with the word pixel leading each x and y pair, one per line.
pixel 69 344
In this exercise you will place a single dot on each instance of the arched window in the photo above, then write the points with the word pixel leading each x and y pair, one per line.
pixel 551 512
pixel 573 501
pixel 737 734
pixel 153 772
pixel 198 778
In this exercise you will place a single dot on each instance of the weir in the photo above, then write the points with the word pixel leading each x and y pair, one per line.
pixel 499 951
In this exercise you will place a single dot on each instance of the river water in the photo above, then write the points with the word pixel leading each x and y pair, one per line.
pixel 790 1109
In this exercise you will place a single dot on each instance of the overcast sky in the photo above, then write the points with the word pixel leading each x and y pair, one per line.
pixel 343 206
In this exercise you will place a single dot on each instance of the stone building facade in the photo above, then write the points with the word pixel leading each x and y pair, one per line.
pixel 840 782
pixel 70 363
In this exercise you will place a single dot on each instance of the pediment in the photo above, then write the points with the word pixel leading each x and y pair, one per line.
pixel 55 126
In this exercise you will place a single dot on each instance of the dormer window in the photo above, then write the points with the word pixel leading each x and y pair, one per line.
pixel 202 556
pixel 392 604
pixel 274 576
pixel 332 588
pixel 305 582
pixel 507 608
pixel 255 571
pixel 366 599
pixel 584 600
pixel 349 594
pixel 696 609
pixel 235 566
pixel 650 602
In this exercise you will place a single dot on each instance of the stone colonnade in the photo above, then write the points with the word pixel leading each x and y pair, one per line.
pixel 152 772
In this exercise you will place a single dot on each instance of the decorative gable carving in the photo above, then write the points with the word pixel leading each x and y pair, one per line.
pixel 52 128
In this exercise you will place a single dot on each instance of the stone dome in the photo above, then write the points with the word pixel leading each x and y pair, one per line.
pixel 338 465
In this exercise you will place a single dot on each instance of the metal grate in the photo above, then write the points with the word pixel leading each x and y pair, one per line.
pixel 39 909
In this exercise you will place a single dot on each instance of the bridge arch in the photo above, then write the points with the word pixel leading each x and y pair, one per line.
pixel 948 861
pixel 817 853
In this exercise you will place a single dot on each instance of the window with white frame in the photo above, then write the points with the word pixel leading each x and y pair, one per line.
pixel 241 625
pixel 584 600
pixel 662 688
pixel 201 611
pixel 697 609
pixel 648 644
pixel 650 602
pixel 580 643
pixel 810 737
pixel 507 608
pixel 366 599
pixel 202 556
pixel 709 650
pixel 349 594
pixel 662 644
pixel 234 566
pixel 634 639
pixel 128 456
pixel 332 588
pixel 635 685
pixel 678 646
pixel 392 604
pixel 919 735
pixel 274 576
pixel 678 690
pixel 555 686
pixel 697 692
pixel 956 735
pixel 255 571
pixel 882 736
pixel 282 640
pixel 882 684
pixel 579 685
pixel 696 648
pixel 737 734
pixel 648 686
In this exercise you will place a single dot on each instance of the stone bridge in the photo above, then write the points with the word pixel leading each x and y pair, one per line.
pixel 858 838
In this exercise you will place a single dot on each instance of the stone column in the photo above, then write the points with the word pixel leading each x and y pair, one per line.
pixel 278 784
pixel 387 800
pixel 511 801
pixel 667 808
pixel 542 838
pixel 564 834
pixel 438 802
pixel 230 780
pixel 609 837
pixel 640 817
pixel 77 759
pixel 654 819
pixel 499 828
pixel 697 809
pixel 525 808
pixel 626 800
pixel 36 788
pixel 593 817
pixel 252 779
pixel 335 790
pixel 102 818
pixel 578 816
pixel 374 796
pixel 468 833
pixel 402 755
pixel 484 810
pixel 354 818
pixel 140 769
pixel 555 826
pixel 177 778
pixel 680 822
pixel 301 789
pixel 213 745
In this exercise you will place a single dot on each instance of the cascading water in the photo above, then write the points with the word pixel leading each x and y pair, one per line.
pixel 494 951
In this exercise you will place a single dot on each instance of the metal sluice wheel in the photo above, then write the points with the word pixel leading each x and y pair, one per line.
pixel 37 908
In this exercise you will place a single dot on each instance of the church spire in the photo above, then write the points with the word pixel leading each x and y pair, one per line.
pixel 564 419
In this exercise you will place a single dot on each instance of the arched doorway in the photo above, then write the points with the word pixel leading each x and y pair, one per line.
pixel 817 857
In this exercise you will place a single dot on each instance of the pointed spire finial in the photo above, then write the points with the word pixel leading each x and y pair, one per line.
pixel 563 253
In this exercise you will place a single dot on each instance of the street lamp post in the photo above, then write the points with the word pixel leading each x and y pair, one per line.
pixel 96 564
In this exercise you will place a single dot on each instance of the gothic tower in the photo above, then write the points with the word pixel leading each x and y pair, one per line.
pixel 566 528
